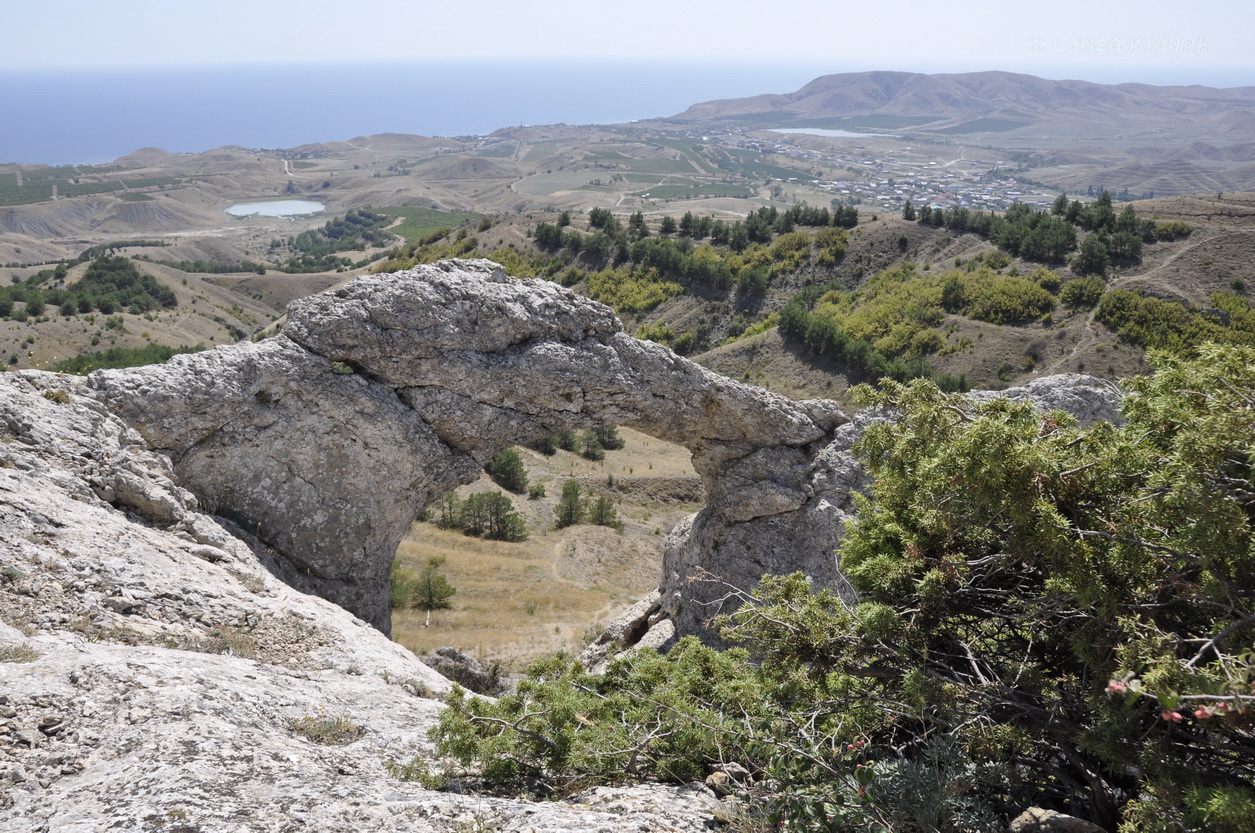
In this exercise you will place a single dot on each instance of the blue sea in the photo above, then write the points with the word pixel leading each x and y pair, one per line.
pixel 93 116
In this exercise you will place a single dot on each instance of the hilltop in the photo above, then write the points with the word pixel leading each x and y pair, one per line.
pixel 982 103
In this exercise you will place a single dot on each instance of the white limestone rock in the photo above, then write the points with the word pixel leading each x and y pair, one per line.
pixel 149 683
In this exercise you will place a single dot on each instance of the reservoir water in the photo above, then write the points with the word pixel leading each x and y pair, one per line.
pixel 276 208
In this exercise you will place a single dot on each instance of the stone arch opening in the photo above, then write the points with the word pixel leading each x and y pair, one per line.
pixel 326 441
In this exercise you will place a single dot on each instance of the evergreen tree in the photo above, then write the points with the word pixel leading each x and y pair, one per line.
pixel 448 511
pixel 1094 258
pixel 547 446
pixel 507 471
pixel 431 589
pixel 571 508
pixel 637 230
pixel 501 522
pixel 591 447
pixel 608 436
pixel 603 513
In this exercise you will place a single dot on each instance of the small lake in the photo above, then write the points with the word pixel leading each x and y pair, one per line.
pixel 838 134
pixel 276 208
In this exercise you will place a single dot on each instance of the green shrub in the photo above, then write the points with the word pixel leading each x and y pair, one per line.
pixel 658 331
pixel 1083 293
pixel 1170 325
pixel 1172 230
pixel 629 290
pixel 114 357
pixel 1050 616
pixel 1002 299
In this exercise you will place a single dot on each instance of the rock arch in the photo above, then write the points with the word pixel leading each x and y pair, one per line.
pixel 379 396
pixel 326 441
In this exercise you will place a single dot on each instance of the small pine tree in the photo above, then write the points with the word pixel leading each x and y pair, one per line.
pixel 507 471
pixel 547 446
pixel 448 511
pixel 591 447
pixel 571 508
pixel 603 513
pixel 608 436
pixel 431 590
pixel 1094 258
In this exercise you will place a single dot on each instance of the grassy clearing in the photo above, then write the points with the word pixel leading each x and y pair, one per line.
pixel 540 151
pixel 501 150
pixel 417 222
pixel 874 121
pixel 671 191
pixel 987 125
pixel 659 166
pixel 655 179
pixel 519 601
pixel 543 184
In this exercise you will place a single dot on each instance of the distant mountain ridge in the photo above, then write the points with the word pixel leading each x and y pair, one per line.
pixel 994 102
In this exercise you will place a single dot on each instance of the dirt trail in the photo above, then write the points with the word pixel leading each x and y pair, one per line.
pixel 1088 335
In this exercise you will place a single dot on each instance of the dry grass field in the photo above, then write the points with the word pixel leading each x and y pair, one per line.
pixel 517 602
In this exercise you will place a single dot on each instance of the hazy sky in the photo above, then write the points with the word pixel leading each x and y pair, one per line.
pixel 1199 42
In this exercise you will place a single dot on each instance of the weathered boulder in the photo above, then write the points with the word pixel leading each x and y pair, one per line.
pixel 1037 820
pixel 1085 397
pixel 466 671
pixel 326 441
pixel 735 554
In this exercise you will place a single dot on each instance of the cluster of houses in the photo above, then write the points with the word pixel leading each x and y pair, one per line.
pixel 886 171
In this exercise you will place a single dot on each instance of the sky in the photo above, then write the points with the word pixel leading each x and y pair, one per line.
pixel 1125 40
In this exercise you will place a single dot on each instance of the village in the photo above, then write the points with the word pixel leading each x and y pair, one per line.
pixel 881 171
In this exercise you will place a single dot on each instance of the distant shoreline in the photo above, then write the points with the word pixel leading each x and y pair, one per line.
pixel 95 115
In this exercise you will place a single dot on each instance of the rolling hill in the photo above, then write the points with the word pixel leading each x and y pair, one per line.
pixel 993 102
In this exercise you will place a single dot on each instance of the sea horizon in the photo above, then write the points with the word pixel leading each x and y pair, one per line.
pixel 93 116
pixel 87 115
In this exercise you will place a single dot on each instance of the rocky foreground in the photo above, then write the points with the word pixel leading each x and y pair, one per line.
pixel 156 675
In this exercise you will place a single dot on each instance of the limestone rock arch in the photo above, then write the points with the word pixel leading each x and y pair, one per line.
pixel 326 441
